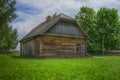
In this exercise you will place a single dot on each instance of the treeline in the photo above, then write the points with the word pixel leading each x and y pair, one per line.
pixel 102 27
pixel 8 35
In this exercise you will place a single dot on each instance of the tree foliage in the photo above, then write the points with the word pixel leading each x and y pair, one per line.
pixel 86 17
pixel 103 27
pixel 8 35
pixel 108 27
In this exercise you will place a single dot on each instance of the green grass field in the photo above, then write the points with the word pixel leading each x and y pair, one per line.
pixel 96 68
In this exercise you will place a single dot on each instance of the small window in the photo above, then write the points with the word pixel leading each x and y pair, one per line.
pixel 78 47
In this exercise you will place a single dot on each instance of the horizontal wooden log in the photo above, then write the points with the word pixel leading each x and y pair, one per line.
pixel 53 44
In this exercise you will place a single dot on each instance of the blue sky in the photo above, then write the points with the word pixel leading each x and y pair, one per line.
pixel 33 12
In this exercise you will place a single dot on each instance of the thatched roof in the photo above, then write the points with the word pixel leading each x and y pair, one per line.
pixel 43 27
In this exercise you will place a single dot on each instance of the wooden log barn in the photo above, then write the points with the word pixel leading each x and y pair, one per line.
pixel 60 36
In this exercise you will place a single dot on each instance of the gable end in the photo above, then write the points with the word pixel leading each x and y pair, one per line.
pixel 64 28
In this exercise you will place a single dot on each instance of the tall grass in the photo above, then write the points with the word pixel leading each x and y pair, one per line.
pixel 96 68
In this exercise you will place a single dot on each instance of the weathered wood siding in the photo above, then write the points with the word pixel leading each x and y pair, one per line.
pixel 37 44
pixel 54 46
pixel 65 29
pixel 30 47
pixel 27 48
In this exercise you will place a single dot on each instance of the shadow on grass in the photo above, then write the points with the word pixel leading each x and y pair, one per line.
pixel 17 56
pixel 23 57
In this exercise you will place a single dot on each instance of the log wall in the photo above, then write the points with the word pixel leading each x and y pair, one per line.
pixel 62 46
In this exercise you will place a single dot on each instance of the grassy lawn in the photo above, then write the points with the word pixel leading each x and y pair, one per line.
pixel 96 68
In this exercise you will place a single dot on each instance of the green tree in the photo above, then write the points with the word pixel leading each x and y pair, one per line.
pixel 86 17
pixel 8 35
pixel 108 28
pixel 102 27
pixel 54 15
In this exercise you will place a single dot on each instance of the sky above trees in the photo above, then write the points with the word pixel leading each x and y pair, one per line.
pixel 33 12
